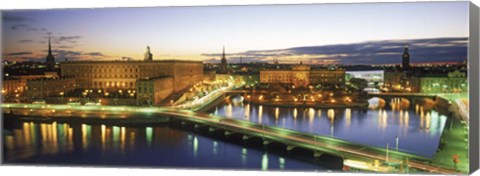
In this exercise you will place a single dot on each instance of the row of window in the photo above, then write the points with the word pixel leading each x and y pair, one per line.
pixel 112 84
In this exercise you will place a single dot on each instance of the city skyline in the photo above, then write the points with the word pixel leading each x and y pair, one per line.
pixel 200 33
pixel 373 87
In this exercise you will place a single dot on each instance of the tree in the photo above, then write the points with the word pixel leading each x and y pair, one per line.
pixel 358 83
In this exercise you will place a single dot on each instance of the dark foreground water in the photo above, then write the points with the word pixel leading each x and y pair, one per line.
pixel 418 131
pixel 155 146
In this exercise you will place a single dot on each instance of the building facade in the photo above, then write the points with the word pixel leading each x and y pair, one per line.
pixel 303 76
pixel 452 82
pixel 41 88
pixel 425 80
pixel 153 91
pixel 124 74
pixel 373 77
pixel 16 84
pixel 13 87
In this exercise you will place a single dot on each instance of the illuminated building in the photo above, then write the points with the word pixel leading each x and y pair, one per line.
pixel 302 76
pixel 44 87
pixel 12 86
pixel 16 84
pixel 152 91
pixel 123 74
pixel 453 82
pixel 373 77
pixel 209 75
pixel 430 79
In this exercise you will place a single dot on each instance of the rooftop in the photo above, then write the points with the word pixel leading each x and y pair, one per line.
pixel 129 61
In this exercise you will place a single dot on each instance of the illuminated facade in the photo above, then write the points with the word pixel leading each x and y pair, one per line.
pixel 16 84
pixel 453 82
pixel 13 86
pixel 153 91
pixel 41 88
pixel 124 74
pixel 302 76
pixel 419 80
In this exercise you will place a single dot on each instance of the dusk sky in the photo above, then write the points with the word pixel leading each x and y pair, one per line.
pixel 321 33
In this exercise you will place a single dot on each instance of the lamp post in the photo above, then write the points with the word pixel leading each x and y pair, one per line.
pixel 396 142
pixel 386 157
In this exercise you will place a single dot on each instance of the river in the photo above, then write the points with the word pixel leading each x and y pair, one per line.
pixel 418 131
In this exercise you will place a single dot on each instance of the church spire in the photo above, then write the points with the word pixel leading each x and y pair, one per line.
pixel 223 63
pixel 50 60
pixel 223 53
pixel 49 47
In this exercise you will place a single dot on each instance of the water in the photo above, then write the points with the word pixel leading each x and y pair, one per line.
pixel 418 131
pixel 154 146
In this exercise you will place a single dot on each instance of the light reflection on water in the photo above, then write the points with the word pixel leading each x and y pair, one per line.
pixel 58 143
pixel 418 130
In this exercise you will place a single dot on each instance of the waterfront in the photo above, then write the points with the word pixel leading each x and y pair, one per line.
pixel 143 146
pixel 418 131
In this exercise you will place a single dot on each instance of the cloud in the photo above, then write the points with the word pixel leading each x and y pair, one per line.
pixel 94 54
pixel 75 55
pixel 68 38
pixel 12 18
pixel 19 26
pixel 18 53
pixel 25 41
pixel 372 52
pixel 63 46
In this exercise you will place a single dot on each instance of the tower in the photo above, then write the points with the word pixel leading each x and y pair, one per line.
pixel 148 55
pixel 223 64
pixel 405 59
pixel 50 60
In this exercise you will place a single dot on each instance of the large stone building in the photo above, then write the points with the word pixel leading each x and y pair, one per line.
pixel 124 74
pixel 303 76
pixel 44 87
pixel 451 82
pixel 152 91
pixel 13 86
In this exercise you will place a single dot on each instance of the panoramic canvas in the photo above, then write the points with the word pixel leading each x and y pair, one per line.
pixel 379 87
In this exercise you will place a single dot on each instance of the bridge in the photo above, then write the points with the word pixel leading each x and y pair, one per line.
pixel 269 134
pixel 412 97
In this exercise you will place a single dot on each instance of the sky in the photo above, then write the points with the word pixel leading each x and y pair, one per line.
pixel 318 33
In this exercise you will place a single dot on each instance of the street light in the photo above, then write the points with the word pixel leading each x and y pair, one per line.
pixel 386 155
pixel 396 142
